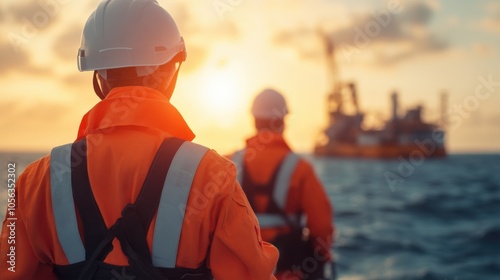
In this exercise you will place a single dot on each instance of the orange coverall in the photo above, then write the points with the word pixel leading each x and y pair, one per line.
pixel 123 134
pixel 263 153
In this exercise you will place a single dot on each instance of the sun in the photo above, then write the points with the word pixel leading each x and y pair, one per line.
pixel 222 92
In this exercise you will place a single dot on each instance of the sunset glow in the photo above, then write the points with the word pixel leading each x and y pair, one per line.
pixel 419 48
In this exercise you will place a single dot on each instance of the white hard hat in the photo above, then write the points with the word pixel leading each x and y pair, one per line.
pixel 129 33
pixel 269 104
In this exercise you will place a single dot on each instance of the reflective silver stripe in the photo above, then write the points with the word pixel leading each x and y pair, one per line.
pixel 272 220
pixel 63 205
pixel 283 180
pixel 173 199
pixel 237 159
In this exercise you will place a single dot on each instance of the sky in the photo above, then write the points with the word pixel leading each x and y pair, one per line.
pixel 237 48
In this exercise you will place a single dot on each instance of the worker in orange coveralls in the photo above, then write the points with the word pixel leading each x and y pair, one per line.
pixel 284 191
pixel 132 197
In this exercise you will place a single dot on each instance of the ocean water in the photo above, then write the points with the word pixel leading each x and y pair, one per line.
pixel 401 220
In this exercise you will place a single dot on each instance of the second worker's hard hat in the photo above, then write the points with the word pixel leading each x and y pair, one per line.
pixel 269 104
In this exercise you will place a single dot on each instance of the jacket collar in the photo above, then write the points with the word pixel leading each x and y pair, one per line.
pixel 135 106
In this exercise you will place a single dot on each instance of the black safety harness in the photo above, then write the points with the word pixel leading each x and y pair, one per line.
pixel 130 229
pixel 253 189
pixel 292 245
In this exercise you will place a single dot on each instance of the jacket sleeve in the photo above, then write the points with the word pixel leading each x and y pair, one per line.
pixel 17 258
pixel 318 209
pixel 237 250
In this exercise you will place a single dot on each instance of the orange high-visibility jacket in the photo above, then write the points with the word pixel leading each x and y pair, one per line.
pixel 123 133
pixel 306 195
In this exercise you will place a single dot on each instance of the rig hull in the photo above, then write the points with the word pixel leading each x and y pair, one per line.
pixel 386 151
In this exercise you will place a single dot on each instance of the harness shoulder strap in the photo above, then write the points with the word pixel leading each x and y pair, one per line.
pixel 146 205
pixel 94 228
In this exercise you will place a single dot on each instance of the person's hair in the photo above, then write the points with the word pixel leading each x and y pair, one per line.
pixel 275 125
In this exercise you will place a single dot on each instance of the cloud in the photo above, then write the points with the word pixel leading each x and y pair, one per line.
pixel 31 16
pixel 201 35
pixel 37 125
pixel 305 41
pixel 67 44
pixel 12 61
pixel 483 49
pixel 80 85
pixel 419 13
pixel 31 115
pixel 491 25
pixel 494 120
pixel 427 45
pixel 453 21
pixel 191 23
pixel 491 22
pixel 78 80
pixel 390 37
pixel 27 24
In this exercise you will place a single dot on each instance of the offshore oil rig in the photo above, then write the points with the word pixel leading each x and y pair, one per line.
pixel 402 135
